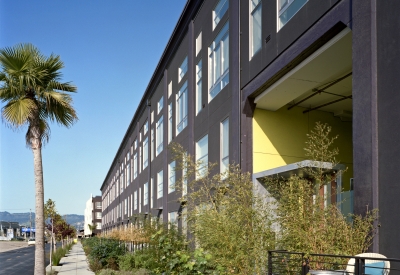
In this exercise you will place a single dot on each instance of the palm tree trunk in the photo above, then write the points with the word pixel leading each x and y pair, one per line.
pixel 39 220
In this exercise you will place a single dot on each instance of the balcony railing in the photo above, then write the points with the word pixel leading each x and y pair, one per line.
pixel 294 263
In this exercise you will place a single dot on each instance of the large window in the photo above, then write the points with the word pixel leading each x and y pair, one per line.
pixel 219 11
pixel 171 177
pixel 183 69
pixel 145 152
pixel 184 176
pixel 199 86
pixel 160 184
pixel 170 122
pixel 159 136
pixel 146 193
pixel 135 170
pixel 255 26
pixel 98 215
pixel 181 109
pixel 287 9
pixel 202 156
pixel 224 145
pixel 219 62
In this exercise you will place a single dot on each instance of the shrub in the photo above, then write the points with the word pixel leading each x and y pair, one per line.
pixel 105 252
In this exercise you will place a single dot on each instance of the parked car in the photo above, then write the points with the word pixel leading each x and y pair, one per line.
pixel 31 241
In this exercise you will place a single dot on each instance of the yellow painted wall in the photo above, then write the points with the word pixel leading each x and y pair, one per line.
pixel 279 138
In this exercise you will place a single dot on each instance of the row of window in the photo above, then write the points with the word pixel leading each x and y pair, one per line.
pixel 201 156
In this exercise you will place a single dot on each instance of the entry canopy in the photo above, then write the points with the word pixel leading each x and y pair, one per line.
pixel 285 172
pixel 329 63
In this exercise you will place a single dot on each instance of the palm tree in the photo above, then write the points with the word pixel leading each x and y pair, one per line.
pixel 33 96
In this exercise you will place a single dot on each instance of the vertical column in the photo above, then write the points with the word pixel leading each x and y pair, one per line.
pixel 234 71
pixel 165 145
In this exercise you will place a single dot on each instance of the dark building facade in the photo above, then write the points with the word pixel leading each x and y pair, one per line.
pixel 245 81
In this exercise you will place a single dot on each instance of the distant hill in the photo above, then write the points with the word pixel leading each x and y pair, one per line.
pixel 23 218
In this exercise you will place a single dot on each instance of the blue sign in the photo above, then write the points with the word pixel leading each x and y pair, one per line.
pixel 28 230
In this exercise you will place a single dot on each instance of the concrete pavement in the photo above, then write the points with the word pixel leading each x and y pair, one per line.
pixel 74 263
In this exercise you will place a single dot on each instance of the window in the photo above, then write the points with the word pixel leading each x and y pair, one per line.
pixel 145 153
pixel 255 26
pixel 135 166
pixel 151 192
pixel 224 145
pixel 160 184
pixel 98 205
pixel 98 215
pixel 145 128
pixel 169 89
pixel 98 225
pixel 198 43
pixel 199 87
pixel 171 177
pixel 287 9
pixel 135 200
pixel 173 218
pixel 128 174
pixel 219 62
pixel 152 145
pixel 159 136
pixel 202 156
pixel 170 124
pixel 140 159
pixel 184 176
pixel 182 69
pixel 140 199
pixel 135 144
pixel 146 193
pixel 181 109
pixel 160 105
pixel 125 207
pixel 219 11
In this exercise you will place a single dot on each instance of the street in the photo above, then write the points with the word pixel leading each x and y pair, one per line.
pixel 20 261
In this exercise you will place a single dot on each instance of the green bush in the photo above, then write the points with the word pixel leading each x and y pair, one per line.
pixel 105 252
pixel 133 272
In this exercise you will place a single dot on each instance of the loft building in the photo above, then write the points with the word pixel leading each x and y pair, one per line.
pixel 244 82
pixel 93 214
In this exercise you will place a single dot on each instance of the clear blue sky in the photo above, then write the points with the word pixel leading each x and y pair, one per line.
pixel 110 50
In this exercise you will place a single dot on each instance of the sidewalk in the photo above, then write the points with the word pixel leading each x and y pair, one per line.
pixel 75 263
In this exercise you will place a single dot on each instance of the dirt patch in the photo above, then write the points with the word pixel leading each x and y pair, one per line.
pixel 9 245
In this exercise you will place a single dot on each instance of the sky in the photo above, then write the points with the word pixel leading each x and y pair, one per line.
pixel 110 50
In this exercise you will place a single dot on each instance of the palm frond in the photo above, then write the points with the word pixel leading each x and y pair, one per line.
pixel 17 112
pixel 59 108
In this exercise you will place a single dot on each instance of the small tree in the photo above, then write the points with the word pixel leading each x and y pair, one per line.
pixel 227 219
pixel 306 222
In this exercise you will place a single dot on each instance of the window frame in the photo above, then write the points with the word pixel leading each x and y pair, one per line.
pixel 224 141
pixel 181 108
pixel 183 68
pixel 203 158
pixel 199 86
pixel 171 177
pixel 218 77
pixel 281 10
pixel 159 136
pixel 223 6
pixel 160 184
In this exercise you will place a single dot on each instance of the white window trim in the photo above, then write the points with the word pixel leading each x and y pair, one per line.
pixel 146 193
pixel 203 158
pixel 160 105
pixel 199 41
pixel 170 122
pixel 145 152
